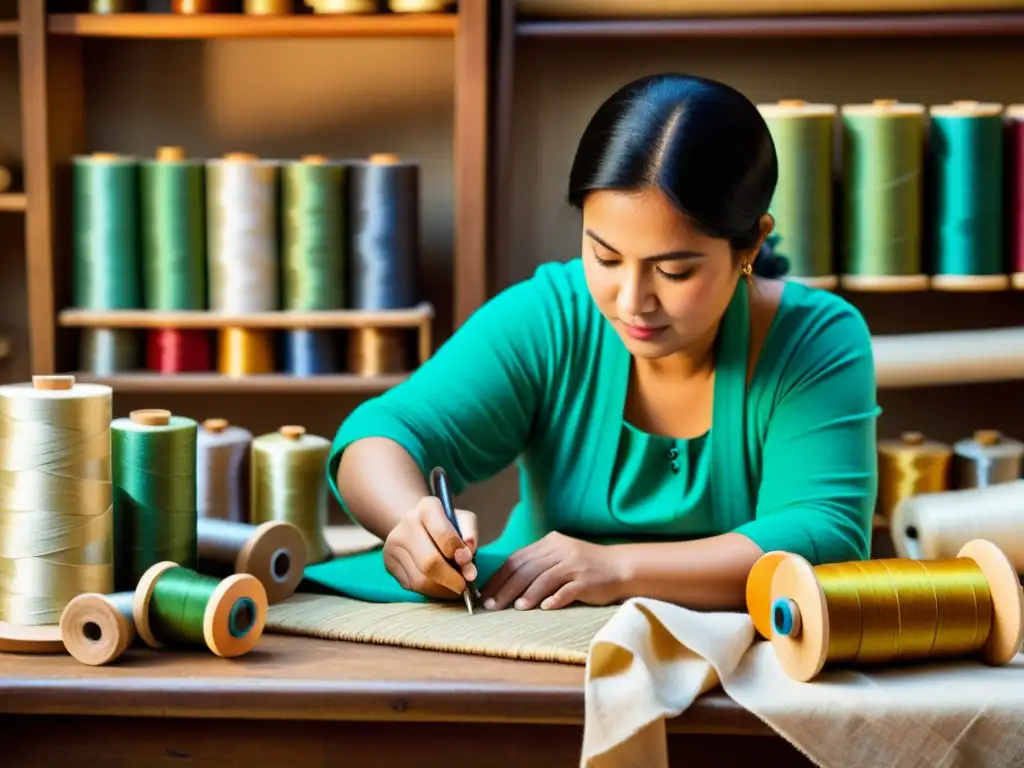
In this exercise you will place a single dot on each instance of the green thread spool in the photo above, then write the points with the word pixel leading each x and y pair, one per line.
pixel 98 629
pixel 289 484
pixel 314 234
pixel 153 459
pixel 107 269
pixel 175 606
pixel 967 162
pixel 173 231
pixel 883 154
pixel 804 136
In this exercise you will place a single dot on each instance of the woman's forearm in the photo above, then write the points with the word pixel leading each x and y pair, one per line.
pixel 704 574
pixel 379 482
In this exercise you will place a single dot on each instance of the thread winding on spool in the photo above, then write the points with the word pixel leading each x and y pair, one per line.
pixel 108 351
pixel 936 525
pixel 310 353
pixel 245 352
pixel 804 136
pixel 222 471
pixel 987 459
pixel 967 158
pixel 1015 199
pixel 377 351
pixel 886 611
pixel 153 457
pixel 268 7
pixel 910 466
pixel 343 6
pixel 55 506
pixel 883 147
pixel 289 484
pixel 194 6
pixel 176 350
pixel 274 552
pixel 98 629
pixel 175 606
pixel 111 6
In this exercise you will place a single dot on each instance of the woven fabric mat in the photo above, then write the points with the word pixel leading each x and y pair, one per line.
pixel 559 636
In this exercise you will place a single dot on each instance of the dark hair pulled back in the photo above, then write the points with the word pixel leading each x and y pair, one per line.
pixel 702 143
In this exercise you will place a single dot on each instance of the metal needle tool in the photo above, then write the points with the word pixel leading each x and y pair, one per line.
pixel 439 488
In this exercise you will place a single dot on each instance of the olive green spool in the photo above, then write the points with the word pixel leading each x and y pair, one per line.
pixel 107 268
pixel 883 159
pixel 804 136
pixel 109 351
pixel 313 202
pixel 173 234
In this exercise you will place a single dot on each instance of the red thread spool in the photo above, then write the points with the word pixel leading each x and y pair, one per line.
pixel 172 350
pixel 1015 202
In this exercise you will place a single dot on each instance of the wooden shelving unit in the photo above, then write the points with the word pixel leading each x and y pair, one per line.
pixel 13 201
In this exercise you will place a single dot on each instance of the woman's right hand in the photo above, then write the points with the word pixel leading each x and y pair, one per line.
pixel 417 550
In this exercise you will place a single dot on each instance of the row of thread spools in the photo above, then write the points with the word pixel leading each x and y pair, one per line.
pixel 241 234
pixel 938 496
pixel 925 197
pixel 157 534
pixel 277 7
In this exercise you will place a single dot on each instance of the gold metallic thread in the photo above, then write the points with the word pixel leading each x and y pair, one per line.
pixel 245 352
pixel 377 351
pixel 910 467
pixel 56 515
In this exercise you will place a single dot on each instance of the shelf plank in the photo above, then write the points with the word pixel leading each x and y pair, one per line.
pixel 224 25
pixel 13 201
pixel 9 28
pixel 215 383
pixel 1002 24
pixel 349 318
pixel 949 357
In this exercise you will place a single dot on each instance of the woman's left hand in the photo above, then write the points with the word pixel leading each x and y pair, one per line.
pixel 554 572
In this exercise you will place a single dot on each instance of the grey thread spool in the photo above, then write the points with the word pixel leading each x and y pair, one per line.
pixel 222 471
pixel 108 351
pixel 383 200
pixel 987 459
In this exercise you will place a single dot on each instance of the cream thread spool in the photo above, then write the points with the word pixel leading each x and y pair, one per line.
pixel 987 459
pixel 47 558
pixel 98 629
pixel 274 552
pixel 222 459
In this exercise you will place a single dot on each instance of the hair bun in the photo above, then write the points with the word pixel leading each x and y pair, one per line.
pixel 769 262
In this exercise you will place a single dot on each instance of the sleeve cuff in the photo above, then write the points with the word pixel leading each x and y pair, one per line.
pixel 788 533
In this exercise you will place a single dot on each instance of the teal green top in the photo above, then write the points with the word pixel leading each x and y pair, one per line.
pixel 539 377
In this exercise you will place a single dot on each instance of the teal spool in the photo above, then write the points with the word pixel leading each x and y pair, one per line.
pixel 107 268
pixel 966 152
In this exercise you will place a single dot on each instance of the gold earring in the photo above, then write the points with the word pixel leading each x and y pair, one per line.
pixel 747 269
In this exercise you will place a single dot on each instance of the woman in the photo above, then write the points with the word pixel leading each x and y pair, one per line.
pixel 675 412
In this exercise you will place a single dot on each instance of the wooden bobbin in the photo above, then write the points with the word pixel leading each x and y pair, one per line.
pixel 275 554
pixel 215 425
pixel 314 159
pixel 987 437
pixel 384 158
pixel 239 602
pixel 53 382
pixel 104 157
pixel 151 417
pixel 170 154
pixel 759 591
pixel 292 431
pixel 240 157
pixel 94 631
pixel 800 621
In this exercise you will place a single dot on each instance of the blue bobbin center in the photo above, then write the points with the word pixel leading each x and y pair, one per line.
pixel 782 617
pixel 242 617
pixel 280 565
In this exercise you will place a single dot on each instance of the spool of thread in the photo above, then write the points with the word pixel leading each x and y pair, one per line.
pixel 884 611
pixel 108 351
pixel 107 271
pixel 268 7
pixel 173 231
pixel 98 629
pixel 383 204
pixel 377 351
pixel 111 6
pixel 246 352
pixel 274 552
pixel 175 606
pixel 310 353
pixel 55 506
pixel 313 199
pixel 883 148
pixel 222 471
pixel 911 466
pixel 289 484
pixel 1015 171
pixel 344 6
pixel 153 456
pixel 177 350
pixel 935 526
pixel 194 6
pixel 241 230
pixel 419 6
pixel 967 184
pixel 804 136
pixel 987 459
pixel 6 178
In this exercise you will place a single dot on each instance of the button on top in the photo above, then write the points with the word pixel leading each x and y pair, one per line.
pixel 675 467
pixel 672 454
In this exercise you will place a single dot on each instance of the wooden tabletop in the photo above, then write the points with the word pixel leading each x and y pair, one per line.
pixel 291 678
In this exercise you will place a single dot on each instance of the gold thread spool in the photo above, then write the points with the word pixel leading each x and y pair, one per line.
pixel 988 458
pixel 217 616
pixel 51 557
pixel 343 6
pixel 268 7
pixel 6 178
pixel 274 552
pixel 377 351
pixel 245 352
pixel 885 611
pixel 910 466
pixel 289 484
pixel 98 629
pixel 186 7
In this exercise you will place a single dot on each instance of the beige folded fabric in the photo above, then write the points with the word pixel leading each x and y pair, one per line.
pixel 652 659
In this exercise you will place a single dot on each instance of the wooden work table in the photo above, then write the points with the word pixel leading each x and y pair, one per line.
pixel 305 702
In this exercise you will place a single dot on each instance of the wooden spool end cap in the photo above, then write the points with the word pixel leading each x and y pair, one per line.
pixel 292 431
pixel 792 103
pixel 240 157
pixel 151 417
pixel 885 102
pixel 912 438
pixel 1007 635
pixel 53 382
pixel 384 158
pixel 215 425
pixel 314 159
pixel 759 591
pixel 170 154
pixel 104 157
pixel 987 436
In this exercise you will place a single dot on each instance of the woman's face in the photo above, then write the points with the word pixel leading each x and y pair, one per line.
pixel 663 285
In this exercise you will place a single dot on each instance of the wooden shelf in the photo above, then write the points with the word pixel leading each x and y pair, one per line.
pixel 13 201
pixel 215 384
pixel 174 26
pixel 405 318
pixel 1001 24
pixel 9 28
